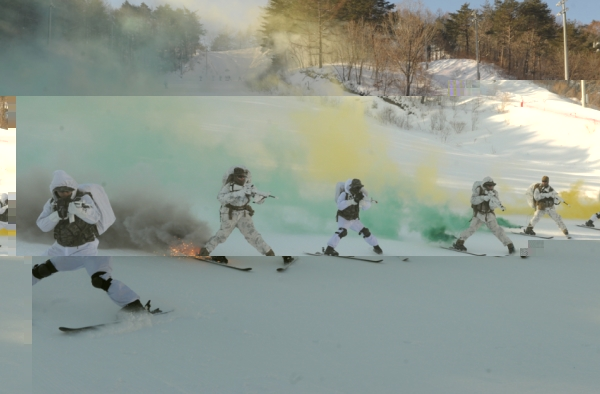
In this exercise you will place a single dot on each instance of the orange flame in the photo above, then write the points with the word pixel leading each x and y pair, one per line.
pixel 183 249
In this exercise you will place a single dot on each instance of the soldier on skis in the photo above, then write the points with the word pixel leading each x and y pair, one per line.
pixel 590 223
pixel 484 200
pixel 235 197
pixel 77 219
pixel 545 198
pixel 350 201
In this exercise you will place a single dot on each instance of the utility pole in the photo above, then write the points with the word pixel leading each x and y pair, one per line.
pixel 563 3
pixel 50 22
pixel 476 20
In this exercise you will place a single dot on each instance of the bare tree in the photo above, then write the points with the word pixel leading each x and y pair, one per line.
pixel 313 23
pixel 354 48
pixel 411 28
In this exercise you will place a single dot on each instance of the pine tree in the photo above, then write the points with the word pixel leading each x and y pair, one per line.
pixel 458 26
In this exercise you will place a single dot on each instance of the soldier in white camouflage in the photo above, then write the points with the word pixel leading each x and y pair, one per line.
pixel 73 216
pixel 545 198
pixel 235 197
pixel 350 202
pixel 484 200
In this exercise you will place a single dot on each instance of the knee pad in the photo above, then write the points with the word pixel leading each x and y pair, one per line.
pixel 99 282
pixel 342 232
pixel 365 232
pixel 43 270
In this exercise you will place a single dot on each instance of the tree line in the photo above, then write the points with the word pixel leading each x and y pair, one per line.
pixel 162 39
pixel 522 38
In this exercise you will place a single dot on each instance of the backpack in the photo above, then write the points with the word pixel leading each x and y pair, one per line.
pixel 493 203
pixel 529 193
pixel 339 188
pixel 107 216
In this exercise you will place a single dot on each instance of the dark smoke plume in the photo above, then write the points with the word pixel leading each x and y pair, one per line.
pixel 147 219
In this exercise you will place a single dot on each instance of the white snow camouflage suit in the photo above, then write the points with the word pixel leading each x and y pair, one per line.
pixel 484 214
pixel 544 199
pixel 120 293
pixel 86 217
pixel 345 200
pixel 237 213
pixel 69 258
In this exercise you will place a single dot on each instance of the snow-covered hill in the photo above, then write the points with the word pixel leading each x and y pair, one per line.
pixel 243 72
pixel 327 325
pixel 418 160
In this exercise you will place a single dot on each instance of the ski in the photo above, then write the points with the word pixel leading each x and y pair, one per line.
pixel 463 251
pixel 209 260
pixel 97 326
pixel 287 265
pixel 591 228
pixel 87 328
pixel 345 257
pixel 403 258
pixel 529 235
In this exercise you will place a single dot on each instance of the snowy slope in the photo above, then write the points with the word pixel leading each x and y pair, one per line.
pixel 316 142
pixel 15 326
pixel 328 325
pixel 445 70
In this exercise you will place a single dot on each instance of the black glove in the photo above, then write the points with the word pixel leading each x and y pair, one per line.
pixel 62 207
pixel 358 197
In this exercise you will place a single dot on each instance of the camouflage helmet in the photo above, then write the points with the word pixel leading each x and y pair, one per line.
pixel 355 186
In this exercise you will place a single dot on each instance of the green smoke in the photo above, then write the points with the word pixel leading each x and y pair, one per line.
pixel 436 223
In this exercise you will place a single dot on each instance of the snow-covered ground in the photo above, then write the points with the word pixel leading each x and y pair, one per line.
pixel 15 326
pixel 330 325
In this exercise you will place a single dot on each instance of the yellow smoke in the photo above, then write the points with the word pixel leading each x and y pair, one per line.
pixel 580 206
pixel 341 145
pixel 426 184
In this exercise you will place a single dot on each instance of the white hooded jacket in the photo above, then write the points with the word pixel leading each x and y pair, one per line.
pixel 344 202
pixel 49 218
pixel 234 194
